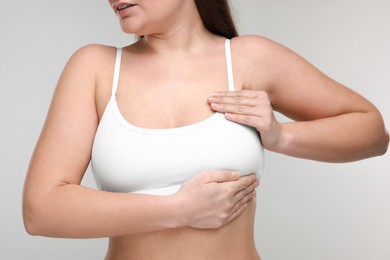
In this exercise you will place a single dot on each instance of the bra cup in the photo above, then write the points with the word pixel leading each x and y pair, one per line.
pixel 127 158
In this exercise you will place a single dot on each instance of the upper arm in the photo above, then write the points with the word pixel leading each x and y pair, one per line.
pixel 63 151
pixel 296 88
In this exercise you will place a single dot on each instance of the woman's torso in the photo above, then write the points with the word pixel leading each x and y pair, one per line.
pixel 153 95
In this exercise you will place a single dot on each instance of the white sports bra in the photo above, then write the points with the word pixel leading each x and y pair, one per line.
pixel 127 158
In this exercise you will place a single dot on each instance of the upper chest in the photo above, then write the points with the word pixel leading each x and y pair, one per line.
pixel 166 93
pixel 158 93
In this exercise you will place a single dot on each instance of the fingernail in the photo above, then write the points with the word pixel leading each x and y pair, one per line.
pixel 228 115
pixel 213 99
pixel 215 105
pixel 236 173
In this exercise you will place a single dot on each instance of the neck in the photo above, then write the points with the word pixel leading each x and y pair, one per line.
pixel 188 35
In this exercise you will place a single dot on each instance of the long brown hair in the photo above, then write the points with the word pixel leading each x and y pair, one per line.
pixel 216 17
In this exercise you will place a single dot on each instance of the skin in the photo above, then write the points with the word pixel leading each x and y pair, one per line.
pixel 53 197
pixel 212 216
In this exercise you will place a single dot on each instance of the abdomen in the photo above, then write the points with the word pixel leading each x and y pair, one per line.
pixel 232 241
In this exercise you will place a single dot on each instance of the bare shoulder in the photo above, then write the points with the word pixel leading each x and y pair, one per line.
pixel 92 57
pixel 95 64
pixel 86 68
pixel 255 45
pixel 251 41
pixel 264 60
pixel 261 50
pixel 97 50
pixel 255 59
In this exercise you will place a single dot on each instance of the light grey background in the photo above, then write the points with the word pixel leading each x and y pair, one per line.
pixel 307 210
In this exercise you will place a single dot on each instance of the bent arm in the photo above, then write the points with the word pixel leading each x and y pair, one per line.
pixel 54 203
pixel 332 122
pixel 342 138
pixel 73 211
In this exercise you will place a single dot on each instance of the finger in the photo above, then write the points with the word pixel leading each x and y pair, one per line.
pixel 236 109
pixel 237 213
pixel 245 194
pixel 242 183
pixel 240 206
pixel 239 93
pixel 244 200
pixel 236 100
pixel 220 176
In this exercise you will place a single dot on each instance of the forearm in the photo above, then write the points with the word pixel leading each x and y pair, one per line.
pixel 342 138
pixel 73 211
pixel 210 199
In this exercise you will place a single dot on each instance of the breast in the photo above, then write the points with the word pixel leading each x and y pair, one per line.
pixel 126 158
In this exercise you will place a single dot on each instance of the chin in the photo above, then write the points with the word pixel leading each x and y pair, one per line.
pixel 134 32
pixel 130 28
pixel 137 27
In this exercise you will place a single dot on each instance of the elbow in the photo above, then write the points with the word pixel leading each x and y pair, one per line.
pixel 30 221
pixel 379 135
pixel 385 142
pixel 382 141
pixel 33 218
pixel 30 225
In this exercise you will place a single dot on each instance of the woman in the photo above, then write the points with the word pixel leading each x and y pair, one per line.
pixel 158 112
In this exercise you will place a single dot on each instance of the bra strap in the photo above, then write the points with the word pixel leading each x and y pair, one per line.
pixel 116 71
pixel 229 65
